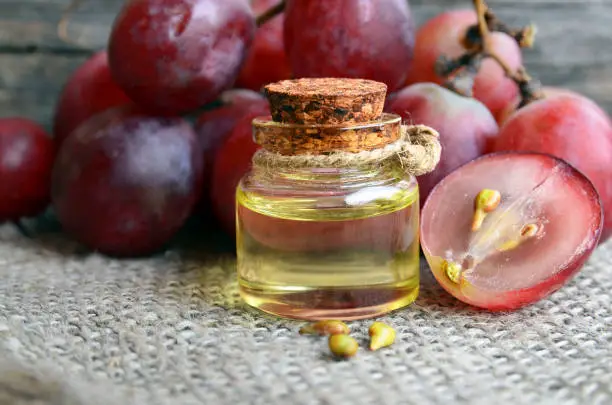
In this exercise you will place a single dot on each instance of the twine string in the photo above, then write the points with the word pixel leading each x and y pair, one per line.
pixel 417 152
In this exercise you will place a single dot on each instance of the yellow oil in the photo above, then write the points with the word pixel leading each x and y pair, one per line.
pixel 319 258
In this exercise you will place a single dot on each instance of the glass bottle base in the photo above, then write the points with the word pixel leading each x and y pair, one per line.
pixel 344 303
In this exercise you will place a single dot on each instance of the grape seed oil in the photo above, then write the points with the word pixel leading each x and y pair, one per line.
pixel 327 219
pixel 344 255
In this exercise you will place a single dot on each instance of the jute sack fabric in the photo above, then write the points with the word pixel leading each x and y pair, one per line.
pixel 80 328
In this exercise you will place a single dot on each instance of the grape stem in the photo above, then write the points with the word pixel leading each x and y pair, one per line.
pixel 462 70
pixel 270 13
pixel 62 26
pixel 528 89
pixel 524 36
pixel 485 34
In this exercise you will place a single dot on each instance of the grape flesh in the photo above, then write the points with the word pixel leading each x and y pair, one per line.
pixel 572 128
pixel 26 159
pixel 173 56
pixel 88 91
pixel 124 182
pixel 267 61
pixel 545 228
pixel 368 39
pixel 442 35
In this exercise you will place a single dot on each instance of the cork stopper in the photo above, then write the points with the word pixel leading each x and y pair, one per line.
pixel 291 139
pixel 327 101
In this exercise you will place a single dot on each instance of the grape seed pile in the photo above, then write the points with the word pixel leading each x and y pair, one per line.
pixel 126 166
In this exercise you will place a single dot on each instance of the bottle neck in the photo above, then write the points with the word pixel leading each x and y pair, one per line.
pixel 340 178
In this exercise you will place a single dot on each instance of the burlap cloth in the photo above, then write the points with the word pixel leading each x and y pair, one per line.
pixel 83 329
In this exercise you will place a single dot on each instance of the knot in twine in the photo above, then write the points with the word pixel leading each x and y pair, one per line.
pixel 417 152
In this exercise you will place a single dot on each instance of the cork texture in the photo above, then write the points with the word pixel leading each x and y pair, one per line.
pixel 326 100
pixel 317 140
pixel 417 152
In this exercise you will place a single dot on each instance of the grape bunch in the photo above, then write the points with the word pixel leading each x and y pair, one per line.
pixel 157 127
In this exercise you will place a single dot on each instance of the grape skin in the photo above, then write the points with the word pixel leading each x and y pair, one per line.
pixel 369 39
pixel 466 127
pixel 124 182
pixel 173 56
pixel 572 128
pixel 442 35
pixel 267 61
pixel 26 159
pixel 88 91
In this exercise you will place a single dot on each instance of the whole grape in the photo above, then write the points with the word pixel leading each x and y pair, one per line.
pixel 124 182
pixel 267 61
pixel 369 39
pixel 215 126
pixel 548 92
pixel 442 35
pixel 467 128
pixel 88 91
pixel 233 161
pixel 173 56
pixel 26 159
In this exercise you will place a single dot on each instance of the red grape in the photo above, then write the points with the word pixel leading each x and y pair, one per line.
pixel 89 90
pixel 548 91
pixel 124 182
pixel 26 159
pixel 369 39
pixel 545 227
pixel 442 35
pixel 466 126
pixel 267 61
pixel 173 56
pixel 232 163
pixel 571 128
pixel 214 126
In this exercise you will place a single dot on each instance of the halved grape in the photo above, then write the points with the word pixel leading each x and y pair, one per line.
pixel 570 127
pixel 547 223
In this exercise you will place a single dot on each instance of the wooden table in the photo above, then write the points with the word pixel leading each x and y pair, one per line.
pixel 573 47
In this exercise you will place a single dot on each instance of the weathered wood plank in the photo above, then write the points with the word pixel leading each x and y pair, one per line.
pixel 30 84
pixel 34 23
pixel 583 26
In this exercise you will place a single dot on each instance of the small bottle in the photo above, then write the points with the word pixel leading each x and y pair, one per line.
pixel 321 234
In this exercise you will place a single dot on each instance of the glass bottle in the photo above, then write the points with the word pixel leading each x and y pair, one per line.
pixel 328 242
